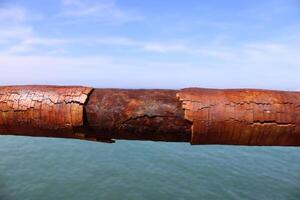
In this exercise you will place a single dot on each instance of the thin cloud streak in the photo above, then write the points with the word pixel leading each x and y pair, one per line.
pixel 268 53
pixel 102 10
pixel 113 72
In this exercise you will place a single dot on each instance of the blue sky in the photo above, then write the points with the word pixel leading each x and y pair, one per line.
pixel 151 44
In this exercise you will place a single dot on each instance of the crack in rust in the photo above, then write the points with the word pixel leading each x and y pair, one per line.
pixel 51 110
pixel 205 108
pixel 272 123
pixel 147 116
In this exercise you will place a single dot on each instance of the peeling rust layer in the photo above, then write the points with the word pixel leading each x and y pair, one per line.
pixel 242 117
pixel 198 116
pixel 137 115
pixel 49 111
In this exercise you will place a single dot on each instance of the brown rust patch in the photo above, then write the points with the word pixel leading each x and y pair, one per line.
pixel 242 116
pixel 136 115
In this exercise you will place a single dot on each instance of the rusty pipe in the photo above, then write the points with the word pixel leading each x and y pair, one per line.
pixel 195 115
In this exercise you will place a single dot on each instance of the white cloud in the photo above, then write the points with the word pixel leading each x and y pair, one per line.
pixel 267 53
pixel 165 48
pixel 22 39
pixel 119 41
pixel 45 41
pixel 31 45
pixel 217 53
pixel 103 10
pixel 267 47
pixel 20 48
pixel 12 24
pixel 15 32
pixel 157 47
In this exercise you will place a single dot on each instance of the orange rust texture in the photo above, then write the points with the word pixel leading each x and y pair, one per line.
pixel 242 117
pixel 42 110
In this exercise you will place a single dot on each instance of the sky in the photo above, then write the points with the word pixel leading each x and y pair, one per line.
pixel 151 43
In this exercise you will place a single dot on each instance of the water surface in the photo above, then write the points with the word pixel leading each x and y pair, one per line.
pixel 43 168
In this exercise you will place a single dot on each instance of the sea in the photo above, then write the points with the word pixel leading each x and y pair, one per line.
pixel 54 169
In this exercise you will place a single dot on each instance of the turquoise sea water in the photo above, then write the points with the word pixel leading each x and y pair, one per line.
pixel 43 168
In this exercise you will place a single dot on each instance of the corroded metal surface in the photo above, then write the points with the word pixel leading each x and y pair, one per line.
pixel 42 110
pixel 198 116
pixel 137 115
pixel 242 117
